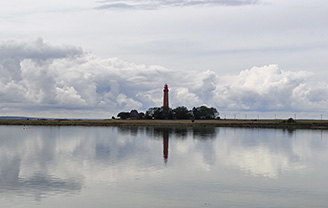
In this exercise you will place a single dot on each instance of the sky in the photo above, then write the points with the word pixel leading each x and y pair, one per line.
pixel 94 59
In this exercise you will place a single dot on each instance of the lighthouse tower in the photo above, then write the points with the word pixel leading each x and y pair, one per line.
pixel 166 101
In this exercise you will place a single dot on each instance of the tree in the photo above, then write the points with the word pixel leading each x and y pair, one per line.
pixel 158 113
pixel 123 115
pixel 142 115
pixel 150 113
pixel 204 112
pixel 181 112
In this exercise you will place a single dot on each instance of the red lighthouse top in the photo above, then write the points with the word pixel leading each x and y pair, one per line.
pixel 166 88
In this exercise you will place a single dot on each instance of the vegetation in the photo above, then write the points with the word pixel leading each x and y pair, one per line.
pixel 133 114
pixel 179 113
pixel 204 112
pixel 158 113
pixel 182 112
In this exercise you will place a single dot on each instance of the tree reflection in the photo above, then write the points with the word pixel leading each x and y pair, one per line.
pixel 178 132
pixel 164 134
pixel 204 133
pixel 132 130
pixel 290 132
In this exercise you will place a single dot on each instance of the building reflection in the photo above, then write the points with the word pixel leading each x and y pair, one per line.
pixel 166 145
pixel 182 133
pixel 163 134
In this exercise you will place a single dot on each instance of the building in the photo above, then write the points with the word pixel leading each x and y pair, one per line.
pixel 166 101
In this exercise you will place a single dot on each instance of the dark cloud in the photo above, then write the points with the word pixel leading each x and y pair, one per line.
pixel 156 4
pixel 37 50
pixel 119 6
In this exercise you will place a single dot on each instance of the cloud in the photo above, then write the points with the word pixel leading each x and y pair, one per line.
pixel 156 4
pixel 39 79
pixel 259 89
pixel 269 88
pixel 36 76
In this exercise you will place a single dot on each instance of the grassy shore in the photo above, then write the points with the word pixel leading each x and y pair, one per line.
pixel 299 124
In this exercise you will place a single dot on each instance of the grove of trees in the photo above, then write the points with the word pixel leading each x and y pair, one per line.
pixel 181 112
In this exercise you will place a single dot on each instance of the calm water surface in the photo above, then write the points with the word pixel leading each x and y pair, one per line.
pixel 147 167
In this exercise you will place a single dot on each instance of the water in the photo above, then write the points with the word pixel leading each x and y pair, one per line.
pixel 147 167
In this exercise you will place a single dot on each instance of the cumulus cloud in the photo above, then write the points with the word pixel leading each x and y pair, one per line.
pixel 260 89
pixel 269 88
pixel 156 4
pixel 37 78
pixel 39 75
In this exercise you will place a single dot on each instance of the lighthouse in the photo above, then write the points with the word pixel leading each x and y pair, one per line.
pixel 166 101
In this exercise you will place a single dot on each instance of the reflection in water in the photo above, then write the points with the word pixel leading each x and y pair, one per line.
pixel 165 145
pixel 179 132
pixel 24 165
pixel 159 133
pixel 123 167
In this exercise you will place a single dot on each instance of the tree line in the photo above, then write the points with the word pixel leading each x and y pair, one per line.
pixel 181 112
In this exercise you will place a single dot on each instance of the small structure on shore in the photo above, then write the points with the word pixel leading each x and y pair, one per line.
pixel 291 120
pixel 134 114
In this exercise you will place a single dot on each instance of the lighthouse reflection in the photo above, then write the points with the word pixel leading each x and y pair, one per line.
pixel 161 133
pixel 180 134
pixel 165 134
pixel 166 145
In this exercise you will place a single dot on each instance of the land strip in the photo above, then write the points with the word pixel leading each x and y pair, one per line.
pixel 283 124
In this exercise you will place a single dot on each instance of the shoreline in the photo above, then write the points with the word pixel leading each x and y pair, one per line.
pixel 278 124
